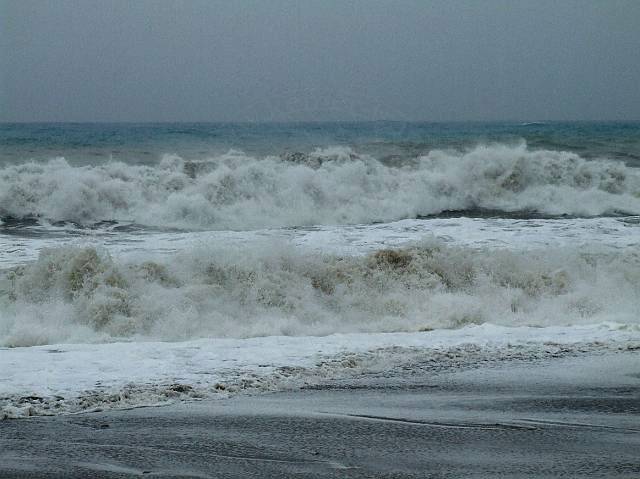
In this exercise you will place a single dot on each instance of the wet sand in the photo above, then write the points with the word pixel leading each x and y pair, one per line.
pixel 566 417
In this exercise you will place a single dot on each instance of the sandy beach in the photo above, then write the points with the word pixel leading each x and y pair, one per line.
pixel 567 417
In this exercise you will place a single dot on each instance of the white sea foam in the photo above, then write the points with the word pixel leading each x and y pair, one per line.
pixel 500 233
pixel 82 294
pixel 281 307
pixel 73 378
pixel 331 186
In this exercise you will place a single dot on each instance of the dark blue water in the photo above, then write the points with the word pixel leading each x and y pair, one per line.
pixel 83 143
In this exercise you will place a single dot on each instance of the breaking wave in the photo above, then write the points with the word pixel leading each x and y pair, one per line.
pixel 83 294
pixel 329 186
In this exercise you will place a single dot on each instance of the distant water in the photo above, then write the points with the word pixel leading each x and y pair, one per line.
pixel 146 143
pixel 172 232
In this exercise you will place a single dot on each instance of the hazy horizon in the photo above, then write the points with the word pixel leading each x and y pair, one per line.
pixel 284 122
pixel 289 62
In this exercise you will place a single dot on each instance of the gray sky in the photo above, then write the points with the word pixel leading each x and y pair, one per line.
pixel 319 60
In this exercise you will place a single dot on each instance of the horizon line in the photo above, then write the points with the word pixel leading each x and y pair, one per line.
pixel 248 122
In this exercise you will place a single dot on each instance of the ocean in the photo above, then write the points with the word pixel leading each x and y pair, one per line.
pixel 142 264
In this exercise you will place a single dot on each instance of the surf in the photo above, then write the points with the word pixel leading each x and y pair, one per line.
pixel 335 185
pixel 83 294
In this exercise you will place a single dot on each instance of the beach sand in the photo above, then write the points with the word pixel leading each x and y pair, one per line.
pixel 566 417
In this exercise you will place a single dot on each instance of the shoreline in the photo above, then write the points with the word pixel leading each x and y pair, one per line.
pixel 552 417
pixel 75 378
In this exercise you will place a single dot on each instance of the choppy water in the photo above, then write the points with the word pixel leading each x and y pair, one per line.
pixel 180 232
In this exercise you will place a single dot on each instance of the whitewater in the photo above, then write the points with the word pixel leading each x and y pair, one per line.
pixel 327 186
pixel 191 276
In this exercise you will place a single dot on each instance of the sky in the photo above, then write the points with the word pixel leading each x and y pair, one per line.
pixel 281 60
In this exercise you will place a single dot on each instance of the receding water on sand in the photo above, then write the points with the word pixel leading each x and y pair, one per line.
pixel 571 416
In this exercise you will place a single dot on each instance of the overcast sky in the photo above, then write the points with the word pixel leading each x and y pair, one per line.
pixel 284 60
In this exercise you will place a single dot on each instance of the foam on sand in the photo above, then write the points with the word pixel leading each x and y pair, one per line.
pixel 72 378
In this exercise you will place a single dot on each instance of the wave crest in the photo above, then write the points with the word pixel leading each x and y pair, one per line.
pixel 331 186
pixel 82 294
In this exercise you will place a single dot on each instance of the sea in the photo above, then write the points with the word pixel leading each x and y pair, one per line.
pixel 144 264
